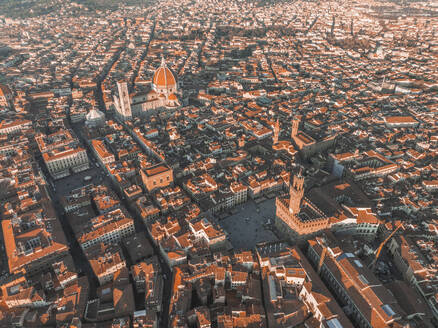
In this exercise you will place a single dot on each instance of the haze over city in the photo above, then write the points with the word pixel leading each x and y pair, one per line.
pixel 219 164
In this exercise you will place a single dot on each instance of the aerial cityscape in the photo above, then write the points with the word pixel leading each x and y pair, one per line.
pixel 219 163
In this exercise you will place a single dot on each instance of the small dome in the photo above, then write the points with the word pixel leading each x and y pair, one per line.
pixel 172 97
pixel 95 114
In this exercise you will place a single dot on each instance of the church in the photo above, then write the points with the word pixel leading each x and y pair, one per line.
pixel 162 96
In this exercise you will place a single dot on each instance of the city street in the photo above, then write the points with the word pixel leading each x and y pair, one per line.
pixel 76 252
pixel 247 228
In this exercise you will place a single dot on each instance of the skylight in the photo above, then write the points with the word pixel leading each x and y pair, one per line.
pixel 344 255
pixel 363 279
pixel 358 264
pixel 334 323
pixel 388 310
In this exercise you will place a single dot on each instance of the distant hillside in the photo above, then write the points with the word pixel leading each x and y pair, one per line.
pixel 111 4
pixel 28 8
pixel 35 8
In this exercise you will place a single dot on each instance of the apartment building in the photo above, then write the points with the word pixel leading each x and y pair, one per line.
pixel 61 153
pixel 107 228
pixel 11 126
pixel 105 260
pixel 33 241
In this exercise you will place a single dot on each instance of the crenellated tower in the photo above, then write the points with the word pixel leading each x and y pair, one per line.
pixel 296 192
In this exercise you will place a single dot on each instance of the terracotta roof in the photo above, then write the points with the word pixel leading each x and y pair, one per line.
pixel 163 77
pixel 156 170
pixel 4 90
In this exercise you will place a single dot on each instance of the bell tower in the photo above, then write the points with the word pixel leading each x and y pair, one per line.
pixel 296 192
pixel 276 132
pixel 124 105
pixel 295 123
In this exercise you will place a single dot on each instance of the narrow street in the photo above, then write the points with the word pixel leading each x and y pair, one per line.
pixel 79 259
pixel 144 54
pixel 100 177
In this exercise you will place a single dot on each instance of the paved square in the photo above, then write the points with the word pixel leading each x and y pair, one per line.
pixel 247 227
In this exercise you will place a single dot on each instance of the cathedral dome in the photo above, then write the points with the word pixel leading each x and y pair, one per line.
pixel 164 81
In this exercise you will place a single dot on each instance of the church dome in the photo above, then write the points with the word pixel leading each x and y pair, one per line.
pixel 163 77
pixel 164 80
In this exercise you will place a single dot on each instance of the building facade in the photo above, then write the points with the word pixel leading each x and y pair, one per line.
pixel 59 163
pixel 157 177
